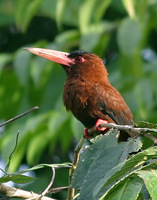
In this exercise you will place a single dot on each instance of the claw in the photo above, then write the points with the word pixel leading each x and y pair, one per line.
pixel 100 121
pixel 86 134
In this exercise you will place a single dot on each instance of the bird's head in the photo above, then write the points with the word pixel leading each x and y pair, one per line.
pixel 77 62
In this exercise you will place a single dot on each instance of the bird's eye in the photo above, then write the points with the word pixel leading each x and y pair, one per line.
pixel 79 59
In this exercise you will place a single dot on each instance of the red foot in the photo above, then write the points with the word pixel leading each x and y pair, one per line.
pixel 100 121
pixel 86 133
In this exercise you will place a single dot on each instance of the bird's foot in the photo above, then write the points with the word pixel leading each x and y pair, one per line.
pixel 86 133
pixel 98 123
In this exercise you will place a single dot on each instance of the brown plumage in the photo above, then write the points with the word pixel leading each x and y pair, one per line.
pixel 87 90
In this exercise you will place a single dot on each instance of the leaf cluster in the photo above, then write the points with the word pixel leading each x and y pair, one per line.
pixel 108 170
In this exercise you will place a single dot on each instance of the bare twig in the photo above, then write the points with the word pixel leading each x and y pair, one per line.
pixel 132 131
pixel 15 192
pixel 12 153
pixel 129 128
pixel 19 116
pixel 50 184
pixel 40 196
pixel 71 191
pixel 57 190
pixel 151 137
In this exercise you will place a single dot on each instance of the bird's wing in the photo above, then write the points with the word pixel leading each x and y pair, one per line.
pixel 111 103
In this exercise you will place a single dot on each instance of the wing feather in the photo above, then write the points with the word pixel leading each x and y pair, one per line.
pixel 111 103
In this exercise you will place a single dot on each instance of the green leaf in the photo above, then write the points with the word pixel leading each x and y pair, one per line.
pixel 76 128
pixel 129 6
pixel 95 32
pixel 68 39
pixel 85 13
pixel 143 124
pixel 25 10
pixel 129 36
pixel 21 66
pixel 4 59
pixel 97 164
pixel 89 155
pixel 89 40
pixel 19 153
pixel 126 168
pixel 100 9
pixel 117 171
pixel 150 179
pixel 107 190
pixel 10 93
pixel 6 19
pixel 60 7
pixel 147 101
pixel 34 153
pixel 40 166
pixel 126 189
pixel 39 130
pixel 37 67
pixel 17 178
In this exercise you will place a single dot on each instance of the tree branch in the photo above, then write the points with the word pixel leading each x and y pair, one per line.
pixel 50 184
pixel 71 191
pixel 15 192
pixel 127 128
pixel 59 189
pixel 132 131
pixel 19 116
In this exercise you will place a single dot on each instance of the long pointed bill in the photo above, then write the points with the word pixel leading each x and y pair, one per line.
pixel 55 56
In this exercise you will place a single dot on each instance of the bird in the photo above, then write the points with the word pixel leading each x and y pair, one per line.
pixel 87 93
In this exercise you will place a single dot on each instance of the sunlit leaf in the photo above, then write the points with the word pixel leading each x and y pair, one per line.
pixel 95 32
pixel 100 9
pixel 144 124
pixel 10 93
pixel 68 38
pixel 150 179
pixel 129 35
pixel 128 188
pixel 129 6
pixel 16 178
pixel 19 153
pixel 36 167
pixel 21 66
pixel 25 10
pixel 89 156
pixel 104 159
pixel 4 59
pixel 60 7
pixel 85 13
pixel 34 152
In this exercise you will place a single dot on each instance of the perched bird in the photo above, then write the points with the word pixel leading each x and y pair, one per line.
pixel 87 90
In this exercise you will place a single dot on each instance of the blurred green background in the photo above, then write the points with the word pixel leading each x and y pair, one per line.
pixel 122 32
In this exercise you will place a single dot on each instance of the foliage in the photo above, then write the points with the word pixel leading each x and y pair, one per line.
pixel 122 32
pixel 108 170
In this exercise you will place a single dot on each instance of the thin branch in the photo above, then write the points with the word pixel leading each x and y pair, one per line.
pixel 57 190
pixel 71 191
pixel 151 137
pixel 132 131
pixel 40 196
pixel 12 153
pixel 19 116
pixel 50 184
pixel 15 192
pixel 128 128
